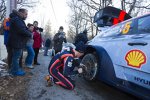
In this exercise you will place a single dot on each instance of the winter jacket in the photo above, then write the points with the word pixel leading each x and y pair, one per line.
pixel 48 43
pixel 37 39
pixel 18 32
pixel 58 40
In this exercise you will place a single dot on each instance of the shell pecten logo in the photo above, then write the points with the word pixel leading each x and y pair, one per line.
pixel 135 58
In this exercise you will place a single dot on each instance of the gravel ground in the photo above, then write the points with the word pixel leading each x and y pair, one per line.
pixel 37 89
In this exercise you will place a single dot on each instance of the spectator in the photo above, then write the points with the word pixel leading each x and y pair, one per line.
pixel 6 25
pixel 17 39
pixel 58 40
pixel 81 37
pixel 37 41
pixel 29 47
pixel 47 46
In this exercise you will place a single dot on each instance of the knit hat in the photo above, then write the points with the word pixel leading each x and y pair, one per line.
pixel 61 27
pixel 80 47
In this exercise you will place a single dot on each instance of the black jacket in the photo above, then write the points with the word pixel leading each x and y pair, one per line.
pixel 58 40
pixel 18 32
pixel 81 37
pixel 47 43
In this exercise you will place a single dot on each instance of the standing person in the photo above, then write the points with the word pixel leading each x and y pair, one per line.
pixel 81 37
pixel 17 40
pixel 61 66
pixel 29 47
pixel 58 40
pixel 6 25
pixel 37 41
pixel 47 46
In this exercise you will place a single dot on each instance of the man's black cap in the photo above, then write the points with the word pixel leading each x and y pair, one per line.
pixel 61 27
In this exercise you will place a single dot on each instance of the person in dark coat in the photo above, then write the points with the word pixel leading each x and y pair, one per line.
pixel 6 25
pixel 47 46
pixel 58 40
pixel 17 40
pixel 81 37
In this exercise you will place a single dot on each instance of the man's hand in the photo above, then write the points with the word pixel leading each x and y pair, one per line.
pixel 83 67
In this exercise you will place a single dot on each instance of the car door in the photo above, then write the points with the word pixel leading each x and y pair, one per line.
pixel 135 53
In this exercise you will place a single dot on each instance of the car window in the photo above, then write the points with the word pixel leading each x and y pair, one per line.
pixel 122 29
pixel 144 25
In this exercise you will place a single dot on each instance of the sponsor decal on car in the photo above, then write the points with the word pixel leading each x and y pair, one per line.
pixel 126 28
pixel 143 81
pixel 135 58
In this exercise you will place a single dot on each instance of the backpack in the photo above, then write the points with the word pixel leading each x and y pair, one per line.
pixel 6 24
pixel 6 28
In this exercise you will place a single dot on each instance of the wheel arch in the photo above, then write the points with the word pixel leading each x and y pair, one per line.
pixel 106 70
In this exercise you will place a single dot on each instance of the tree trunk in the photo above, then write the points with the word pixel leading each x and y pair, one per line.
pixel 132 7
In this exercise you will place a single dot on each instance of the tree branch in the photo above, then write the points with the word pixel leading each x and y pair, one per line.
pixel 95 2
pixel 146 7
pixel 93 7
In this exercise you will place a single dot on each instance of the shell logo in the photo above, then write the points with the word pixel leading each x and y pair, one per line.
pixel 135 58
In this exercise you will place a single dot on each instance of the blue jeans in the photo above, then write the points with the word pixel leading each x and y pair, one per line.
pixel 45 50
pixel 30 55
pixel 16 55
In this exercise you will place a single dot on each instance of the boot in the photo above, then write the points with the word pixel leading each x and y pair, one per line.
pixel 49 80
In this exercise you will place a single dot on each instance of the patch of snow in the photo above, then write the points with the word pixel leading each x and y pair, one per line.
pixel 2 63
pixel 1 69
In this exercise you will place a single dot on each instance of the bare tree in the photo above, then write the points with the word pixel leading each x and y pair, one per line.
pixel 135 7
pixel 48 30
pixel 83 12
pixel 2 10
pixel 27 3
pixel 71 34
pixel 20 3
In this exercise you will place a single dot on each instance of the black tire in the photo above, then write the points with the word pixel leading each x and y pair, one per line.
pixel 90 61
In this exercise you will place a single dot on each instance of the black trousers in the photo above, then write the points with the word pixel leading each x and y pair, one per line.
pixel 36 50
pixel 9 56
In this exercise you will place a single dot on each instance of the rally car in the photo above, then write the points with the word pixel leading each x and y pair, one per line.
pixel 120 56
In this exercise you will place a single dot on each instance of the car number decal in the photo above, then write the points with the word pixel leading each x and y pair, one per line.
pixel 135 58
pixel 126 28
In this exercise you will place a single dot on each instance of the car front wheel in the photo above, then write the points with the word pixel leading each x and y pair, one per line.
pixel 91 65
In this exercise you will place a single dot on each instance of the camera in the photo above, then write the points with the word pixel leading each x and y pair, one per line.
pixel 40 29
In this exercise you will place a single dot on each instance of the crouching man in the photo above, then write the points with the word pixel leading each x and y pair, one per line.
pixel 61 67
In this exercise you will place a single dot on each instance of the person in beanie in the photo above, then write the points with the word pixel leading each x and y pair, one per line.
pixel 61 67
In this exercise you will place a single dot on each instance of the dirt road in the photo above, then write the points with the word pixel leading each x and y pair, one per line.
pixel 84 90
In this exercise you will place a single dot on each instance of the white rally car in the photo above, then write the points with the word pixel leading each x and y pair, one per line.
pixel 120 56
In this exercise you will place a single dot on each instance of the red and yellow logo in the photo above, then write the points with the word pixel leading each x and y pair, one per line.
pixel 135 58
